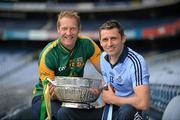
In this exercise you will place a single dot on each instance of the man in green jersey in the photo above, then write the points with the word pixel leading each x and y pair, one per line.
pixel 65 56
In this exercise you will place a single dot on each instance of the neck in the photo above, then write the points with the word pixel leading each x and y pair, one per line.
pixel 113 59
pixel 70 48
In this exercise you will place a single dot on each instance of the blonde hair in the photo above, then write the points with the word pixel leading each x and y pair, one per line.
pixel 70 14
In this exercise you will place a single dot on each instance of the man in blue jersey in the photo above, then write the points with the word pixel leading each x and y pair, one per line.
pixel 126 75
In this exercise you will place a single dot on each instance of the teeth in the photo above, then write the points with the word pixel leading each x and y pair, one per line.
pixel 68 37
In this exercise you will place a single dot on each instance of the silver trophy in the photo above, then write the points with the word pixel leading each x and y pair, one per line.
pixel 77 92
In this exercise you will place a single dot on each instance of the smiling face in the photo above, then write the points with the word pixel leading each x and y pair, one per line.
pixel 68 30
pixel 112 41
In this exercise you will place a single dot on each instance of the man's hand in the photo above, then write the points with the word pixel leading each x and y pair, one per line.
pixel 51 91
pixel 108 94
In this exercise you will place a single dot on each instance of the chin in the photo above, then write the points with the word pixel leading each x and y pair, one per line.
pixel 68 42
pixel 110 53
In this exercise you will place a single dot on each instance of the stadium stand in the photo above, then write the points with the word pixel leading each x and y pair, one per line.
pixel 10 60
pixel 164 79
pixel 18 20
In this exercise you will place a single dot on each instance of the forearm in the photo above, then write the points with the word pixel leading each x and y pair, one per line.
pixel 97 67
pixel 137 102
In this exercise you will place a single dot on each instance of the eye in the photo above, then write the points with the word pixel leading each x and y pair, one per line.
pixel 113 38
pixel 73 28
pixel 104 40
pixel 63 28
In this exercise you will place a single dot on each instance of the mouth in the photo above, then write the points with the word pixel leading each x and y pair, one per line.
pixel 111 49
pixel 68 37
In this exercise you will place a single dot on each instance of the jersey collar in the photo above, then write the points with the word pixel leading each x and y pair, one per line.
pixel 65 49
pixel 121 58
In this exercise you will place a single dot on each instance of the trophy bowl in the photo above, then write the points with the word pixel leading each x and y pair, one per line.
pixel 77 92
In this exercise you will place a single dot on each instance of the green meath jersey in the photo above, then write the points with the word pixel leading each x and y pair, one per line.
pixel 56 60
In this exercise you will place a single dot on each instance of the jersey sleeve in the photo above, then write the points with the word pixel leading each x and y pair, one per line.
pixel 140 74
pixel 46 65
pixel 96 55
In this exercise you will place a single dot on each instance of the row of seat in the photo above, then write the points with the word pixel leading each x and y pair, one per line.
pixel 21 24
pixel 11 60
pixel 161 95
pixel 86 24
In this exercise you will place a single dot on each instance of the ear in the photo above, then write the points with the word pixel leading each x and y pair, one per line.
pixel 100 41
pixel 58 29
pixel 124 37
pixel 80 28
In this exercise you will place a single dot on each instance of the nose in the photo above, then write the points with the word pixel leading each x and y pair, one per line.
pixel 109 42
pixel 68 32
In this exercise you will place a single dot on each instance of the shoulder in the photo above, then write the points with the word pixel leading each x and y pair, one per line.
pixel 137 62
pixel 47 56
pixel 86 40
pixel 102 58
pixel 135 57
pixel 48 48
pixel 103 54
pixel 89 44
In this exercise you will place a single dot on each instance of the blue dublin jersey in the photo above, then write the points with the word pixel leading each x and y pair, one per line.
pixel 129 72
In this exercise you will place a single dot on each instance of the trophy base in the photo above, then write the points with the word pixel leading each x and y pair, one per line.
pixel 77 105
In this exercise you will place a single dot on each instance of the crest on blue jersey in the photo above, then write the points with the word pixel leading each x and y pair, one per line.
pixel 119 80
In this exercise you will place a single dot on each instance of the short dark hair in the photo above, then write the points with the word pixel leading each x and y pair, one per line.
pixel 110 24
